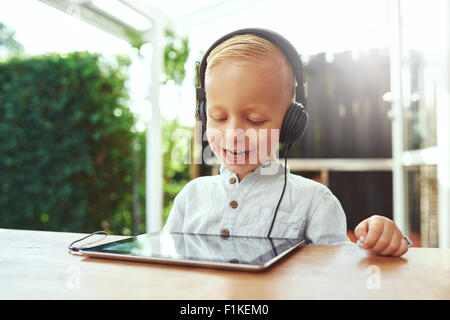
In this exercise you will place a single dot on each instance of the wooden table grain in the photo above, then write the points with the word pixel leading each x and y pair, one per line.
pixel 37 265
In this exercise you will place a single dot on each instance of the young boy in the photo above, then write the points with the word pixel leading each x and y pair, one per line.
pixel 249 85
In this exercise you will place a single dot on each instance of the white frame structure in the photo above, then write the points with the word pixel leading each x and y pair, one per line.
pixel 443 136
pixel 438 155
pixel 396 115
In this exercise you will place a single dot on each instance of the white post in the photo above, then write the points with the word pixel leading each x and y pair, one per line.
pixel 154 168
pixel 397 117
pixel 443 130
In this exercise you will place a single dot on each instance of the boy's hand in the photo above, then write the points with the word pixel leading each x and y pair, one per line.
pixel 381 235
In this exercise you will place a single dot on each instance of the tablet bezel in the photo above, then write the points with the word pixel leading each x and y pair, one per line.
pixel 196 263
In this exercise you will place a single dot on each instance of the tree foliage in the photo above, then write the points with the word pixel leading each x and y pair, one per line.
pixel 9 46
pixel 175 164
pixel 176 52
pixel 66 156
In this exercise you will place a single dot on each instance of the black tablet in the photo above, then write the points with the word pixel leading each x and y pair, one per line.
pixel 205 250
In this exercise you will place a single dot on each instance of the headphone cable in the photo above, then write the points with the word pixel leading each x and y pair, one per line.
pixel 284 187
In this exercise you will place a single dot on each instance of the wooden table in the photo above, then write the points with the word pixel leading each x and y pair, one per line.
pixel 37 265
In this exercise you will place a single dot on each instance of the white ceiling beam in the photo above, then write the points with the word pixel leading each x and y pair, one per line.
pixel 217 11
pixel 84 10
pixel 87 13
pixel 152 12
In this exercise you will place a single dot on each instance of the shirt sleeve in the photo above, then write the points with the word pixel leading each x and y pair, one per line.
pixel 175 220
pixel 327 224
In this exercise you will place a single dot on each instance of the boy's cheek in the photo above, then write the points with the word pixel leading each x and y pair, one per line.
pixel 214 139
pixel 215 148
pixel 214 136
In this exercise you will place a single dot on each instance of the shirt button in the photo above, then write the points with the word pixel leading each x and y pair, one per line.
pixel 225 233
pixel 232 180
pixel 233 204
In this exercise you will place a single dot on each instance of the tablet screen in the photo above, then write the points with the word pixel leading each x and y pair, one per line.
pixel 200 247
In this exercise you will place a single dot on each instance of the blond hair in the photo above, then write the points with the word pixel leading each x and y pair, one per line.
pixel 246 48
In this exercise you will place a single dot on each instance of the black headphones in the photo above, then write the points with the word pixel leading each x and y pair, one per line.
pixel 296 118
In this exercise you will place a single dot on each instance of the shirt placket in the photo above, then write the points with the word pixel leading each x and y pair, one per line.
pixel 237 194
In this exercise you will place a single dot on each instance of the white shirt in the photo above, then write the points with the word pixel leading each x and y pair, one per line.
pixel 223 205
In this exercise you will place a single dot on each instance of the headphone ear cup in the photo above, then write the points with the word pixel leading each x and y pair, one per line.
pixel 294 123
pixel 201 112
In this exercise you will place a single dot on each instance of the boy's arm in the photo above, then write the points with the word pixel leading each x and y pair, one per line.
pixel 327 223
pixel 175 220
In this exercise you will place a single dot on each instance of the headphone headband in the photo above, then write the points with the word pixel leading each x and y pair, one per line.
pixel 282 43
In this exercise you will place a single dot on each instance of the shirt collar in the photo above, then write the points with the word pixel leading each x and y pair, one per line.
pixel 269 167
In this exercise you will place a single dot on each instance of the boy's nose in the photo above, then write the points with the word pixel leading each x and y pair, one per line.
pixel 236 138
pixel 234 129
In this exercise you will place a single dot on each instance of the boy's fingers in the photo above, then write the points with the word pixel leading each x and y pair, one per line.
pixel 394 244
pixel 384 240
pixel 375 230
pixel 361 229
pixel 402 249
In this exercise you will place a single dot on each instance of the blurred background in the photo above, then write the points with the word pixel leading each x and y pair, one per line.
pixel 97 108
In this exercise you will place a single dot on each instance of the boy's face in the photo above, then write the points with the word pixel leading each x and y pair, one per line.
pixel 245 108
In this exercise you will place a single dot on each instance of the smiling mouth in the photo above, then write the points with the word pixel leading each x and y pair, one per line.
pixel 236 157
pixel 236 154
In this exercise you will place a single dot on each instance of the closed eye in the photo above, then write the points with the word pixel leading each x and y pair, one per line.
pixel 219 119
pixel 256 123
pixel 253 122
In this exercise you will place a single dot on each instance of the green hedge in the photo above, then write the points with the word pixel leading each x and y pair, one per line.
pixel 66 144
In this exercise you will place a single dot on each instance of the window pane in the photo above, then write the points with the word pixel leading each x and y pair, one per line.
pixel 421 45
